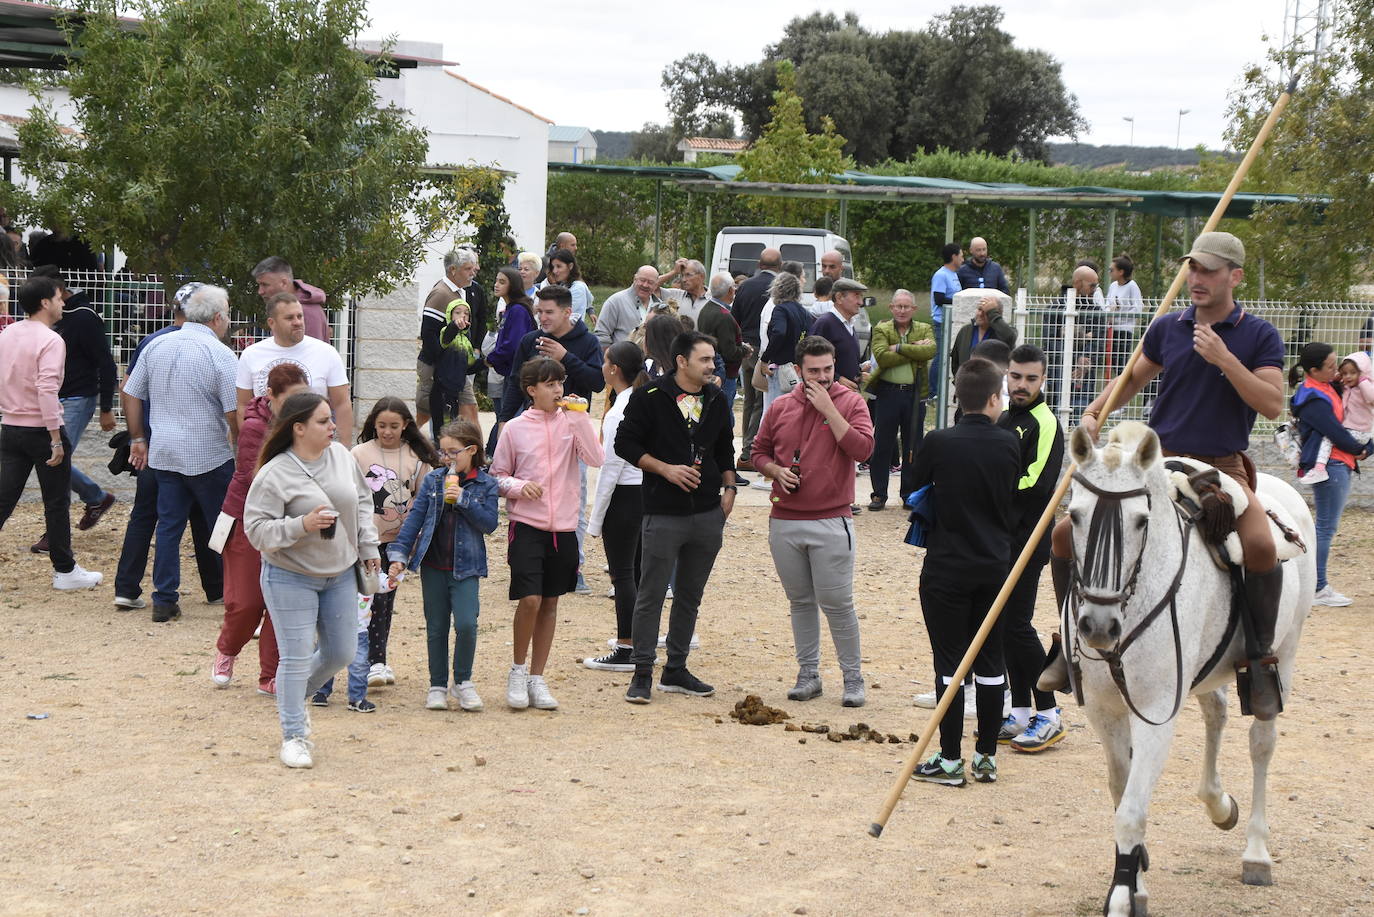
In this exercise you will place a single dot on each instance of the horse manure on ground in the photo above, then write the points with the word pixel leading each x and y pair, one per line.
pixel 752 711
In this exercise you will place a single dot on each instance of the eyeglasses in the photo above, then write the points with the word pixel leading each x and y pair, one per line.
pixel 454 453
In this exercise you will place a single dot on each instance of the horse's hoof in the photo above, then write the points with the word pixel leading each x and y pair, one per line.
pixel 1141 902
pixel 1257 873
pixel 1230 821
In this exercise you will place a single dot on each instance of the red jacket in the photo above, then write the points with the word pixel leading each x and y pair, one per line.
pixel 312 301
pixel 257 420
pixel 790 425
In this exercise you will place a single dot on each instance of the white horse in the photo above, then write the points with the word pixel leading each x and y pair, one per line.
pixel 1146 588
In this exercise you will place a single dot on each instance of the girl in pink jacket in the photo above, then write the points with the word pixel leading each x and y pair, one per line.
pixel 536 470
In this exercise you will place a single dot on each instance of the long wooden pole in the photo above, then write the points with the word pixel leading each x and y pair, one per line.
pixel 1113 396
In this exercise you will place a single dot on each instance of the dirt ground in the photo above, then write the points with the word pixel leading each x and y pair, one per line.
pixel 148 791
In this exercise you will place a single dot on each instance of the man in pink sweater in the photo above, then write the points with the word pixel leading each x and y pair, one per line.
pixel 32 360
pixel 808 445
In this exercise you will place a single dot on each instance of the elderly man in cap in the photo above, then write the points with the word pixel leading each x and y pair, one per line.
pixel 837 326
pixel 1222 365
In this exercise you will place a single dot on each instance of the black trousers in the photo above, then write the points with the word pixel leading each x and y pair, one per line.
pixel 22 450
pixel 897 415
pixel 620 531
pixel 954 608
pixel 1021 646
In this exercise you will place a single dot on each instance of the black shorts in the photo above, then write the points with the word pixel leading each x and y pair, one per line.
pixel 541 563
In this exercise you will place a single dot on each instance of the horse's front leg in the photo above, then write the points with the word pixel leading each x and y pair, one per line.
pixel 1256 866
pixel 1149 751
pixel 1221 807
pixel 1110 721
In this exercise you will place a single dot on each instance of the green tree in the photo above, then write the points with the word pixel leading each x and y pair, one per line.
pixel 219 131
pixel 1320 146
pixel 787 153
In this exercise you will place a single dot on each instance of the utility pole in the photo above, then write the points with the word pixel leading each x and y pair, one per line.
pixel 1132 121
pixel 1178 136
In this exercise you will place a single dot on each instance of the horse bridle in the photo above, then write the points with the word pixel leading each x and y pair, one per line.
pixel 1101 528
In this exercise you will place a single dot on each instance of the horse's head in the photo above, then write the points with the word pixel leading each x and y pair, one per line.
pixel 1110 512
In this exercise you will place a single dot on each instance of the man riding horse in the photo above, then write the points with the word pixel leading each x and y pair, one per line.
pixel 1221 366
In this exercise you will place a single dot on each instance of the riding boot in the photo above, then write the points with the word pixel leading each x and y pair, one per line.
pixel 1055 676
pixel 1262 591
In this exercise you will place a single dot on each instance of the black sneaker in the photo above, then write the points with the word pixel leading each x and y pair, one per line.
pixel 681 681
pixel 616 661
pixel 359 706
pixel 319 699
pixel 164 613
pixel 639 688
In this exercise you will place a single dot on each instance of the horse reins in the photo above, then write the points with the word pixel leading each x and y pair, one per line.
pixel 1105 526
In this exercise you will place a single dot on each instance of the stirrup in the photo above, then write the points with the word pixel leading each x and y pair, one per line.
pixel 1258 680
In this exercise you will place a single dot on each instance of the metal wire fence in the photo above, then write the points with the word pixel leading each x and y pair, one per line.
pixel 1086 347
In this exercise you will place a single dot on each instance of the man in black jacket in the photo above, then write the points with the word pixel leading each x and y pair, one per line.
pixel 678 431
pixel 974 466
pixel 89 382
pixel 747 308
pixel 1042 456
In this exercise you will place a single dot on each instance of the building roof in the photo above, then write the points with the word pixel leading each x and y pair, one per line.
pixel 496 95
pixel 566 133
pixel 713 145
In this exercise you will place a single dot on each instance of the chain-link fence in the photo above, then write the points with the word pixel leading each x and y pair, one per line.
pixel 1086 347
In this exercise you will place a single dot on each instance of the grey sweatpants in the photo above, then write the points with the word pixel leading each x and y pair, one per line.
pixel 815 563
pixel 689 543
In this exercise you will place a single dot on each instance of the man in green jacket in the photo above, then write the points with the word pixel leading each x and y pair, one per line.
pixel 902 349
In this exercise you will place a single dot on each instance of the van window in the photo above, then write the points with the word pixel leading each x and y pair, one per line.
pixel 806 254
pixel 744 258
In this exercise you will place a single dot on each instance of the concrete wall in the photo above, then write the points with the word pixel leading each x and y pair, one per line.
pixel 385 335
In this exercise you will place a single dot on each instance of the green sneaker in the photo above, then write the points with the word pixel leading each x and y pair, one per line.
pixel 938 769
pixel 984 768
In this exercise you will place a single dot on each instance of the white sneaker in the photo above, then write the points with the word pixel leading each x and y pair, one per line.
pixel 376 676
pixel 1314 475
pixel 1331 598
pixel 761 484
pixel 389 675
pixel 295 752
pixel 518 687
pixel 76 578
pixel 928 701
pixel 436 699
pixel 129 604
pixel 467 696
pixel 693 644
pixel 539 696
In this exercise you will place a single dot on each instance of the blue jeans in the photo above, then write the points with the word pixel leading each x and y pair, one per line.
pixel 1329 496
pixel 133 558
pixel 448 599
pixel 729 387
pixel 176 494
pixel 302 607
pixel 76 416
pixel 357 673
pixel 935 363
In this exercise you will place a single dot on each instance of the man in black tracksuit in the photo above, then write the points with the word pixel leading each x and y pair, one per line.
pixel 1042 456
pixel 562 339
pixel 678 431
pixel 974 467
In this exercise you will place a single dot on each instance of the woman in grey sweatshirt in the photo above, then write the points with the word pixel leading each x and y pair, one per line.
pixel 309 512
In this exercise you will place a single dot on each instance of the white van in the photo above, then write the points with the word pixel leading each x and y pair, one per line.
pixel 738 249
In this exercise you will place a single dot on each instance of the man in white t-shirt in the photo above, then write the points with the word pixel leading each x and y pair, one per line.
pixel 322 365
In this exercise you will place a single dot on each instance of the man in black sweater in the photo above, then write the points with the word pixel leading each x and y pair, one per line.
pixel 561 339
pixel 974 467
pixel 678 431
pixel 747 308
pixel 1042 456
pixel 89 382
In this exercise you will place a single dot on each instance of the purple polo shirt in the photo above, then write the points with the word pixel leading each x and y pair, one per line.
pixel 1198 411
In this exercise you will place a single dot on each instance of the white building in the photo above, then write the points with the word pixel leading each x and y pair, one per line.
pixel 571 144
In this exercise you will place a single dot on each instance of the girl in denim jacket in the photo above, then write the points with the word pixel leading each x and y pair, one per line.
pixel 443 538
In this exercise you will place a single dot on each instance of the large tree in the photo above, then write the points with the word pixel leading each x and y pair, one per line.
pixel 1320 147
pixel 961 84
pixel 212 133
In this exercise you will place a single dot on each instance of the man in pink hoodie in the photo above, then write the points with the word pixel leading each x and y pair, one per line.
pixel 274 275
pixel 808 445
pixel 536 469
pixel 32 361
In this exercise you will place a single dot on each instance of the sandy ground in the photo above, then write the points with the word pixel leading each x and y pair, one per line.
pixel 148 791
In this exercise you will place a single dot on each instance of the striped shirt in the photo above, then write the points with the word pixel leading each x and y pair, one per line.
pixel 189 379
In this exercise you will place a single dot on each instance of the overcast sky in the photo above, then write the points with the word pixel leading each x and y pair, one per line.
pixel 598 65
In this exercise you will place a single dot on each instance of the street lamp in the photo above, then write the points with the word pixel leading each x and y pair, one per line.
pixel 1132 120
pixel 1178 137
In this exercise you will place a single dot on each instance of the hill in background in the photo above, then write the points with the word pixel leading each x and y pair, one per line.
pixel 613 145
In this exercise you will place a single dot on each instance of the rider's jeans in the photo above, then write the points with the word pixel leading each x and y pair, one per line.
pixel 1330 496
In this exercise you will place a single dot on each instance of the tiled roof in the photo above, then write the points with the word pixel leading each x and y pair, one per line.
pixel 496 95
pixel 714 144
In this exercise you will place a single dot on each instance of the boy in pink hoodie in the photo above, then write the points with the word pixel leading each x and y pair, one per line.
pixel 536 471
pixel 1358 420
